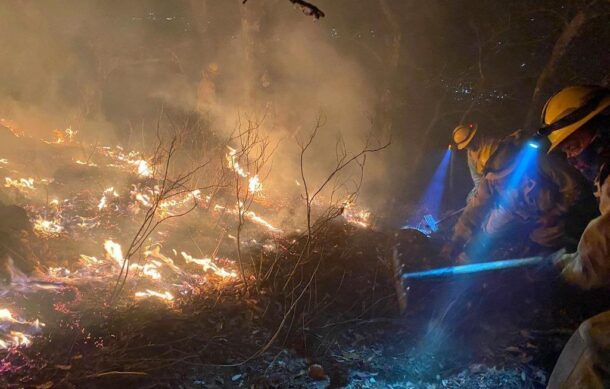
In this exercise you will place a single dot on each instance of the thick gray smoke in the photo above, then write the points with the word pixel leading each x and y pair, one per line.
pixel 106 69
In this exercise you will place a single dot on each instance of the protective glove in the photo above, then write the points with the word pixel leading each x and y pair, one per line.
pixel 552 264
pixel 560 259
pixel 571 269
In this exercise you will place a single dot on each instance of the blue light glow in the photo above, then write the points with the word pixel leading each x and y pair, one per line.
pixel 533 144
pixel 430 202
pixel 504 200
pixel 437 339
pixel 433 196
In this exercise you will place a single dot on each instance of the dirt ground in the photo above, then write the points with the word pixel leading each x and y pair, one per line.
pixel 492 330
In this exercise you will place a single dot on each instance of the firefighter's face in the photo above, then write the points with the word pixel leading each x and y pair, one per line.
pixel 577 143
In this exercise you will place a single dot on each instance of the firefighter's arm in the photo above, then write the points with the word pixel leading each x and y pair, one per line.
pixel 589 267
pixel 473 216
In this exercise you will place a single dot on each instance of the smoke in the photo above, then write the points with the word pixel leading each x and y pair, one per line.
pixel 287 70
pixel 107 70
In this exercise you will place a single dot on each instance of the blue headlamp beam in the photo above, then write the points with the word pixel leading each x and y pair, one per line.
pixel 433 195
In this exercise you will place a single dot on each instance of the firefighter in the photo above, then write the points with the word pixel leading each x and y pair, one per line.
pixel 577 122
pixel 547 208
pixel 479 149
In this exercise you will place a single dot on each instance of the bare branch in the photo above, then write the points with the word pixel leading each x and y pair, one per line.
pixel 308 8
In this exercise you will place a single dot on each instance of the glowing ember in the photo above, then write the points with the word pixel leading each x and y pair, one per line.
pixel 361 218
pixel 58 272
pixel 356 216
pixel 89 261
pixel 91 164
pixel 47 228
pixel 167 296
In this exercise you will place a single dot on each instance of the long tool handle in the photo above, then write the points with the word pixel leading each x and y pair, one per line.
pixel 475 268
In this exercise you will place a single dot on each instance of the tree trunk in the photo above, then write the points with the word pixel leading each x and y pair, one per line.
pixel 570 32
pixel 385 107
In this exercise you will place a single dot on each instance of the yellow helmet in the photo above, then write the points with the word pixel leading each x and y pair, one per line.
pixel 463 135
pixel 570 109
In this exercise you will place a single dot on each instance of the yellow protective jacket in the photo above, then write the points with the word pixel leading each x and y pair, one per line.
pixel 589 266
pixel 585 360
pixel 478 155
pixel 544 200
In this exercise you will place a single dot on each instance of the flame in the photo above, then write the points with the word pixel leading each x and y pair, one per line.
pixel 167 296
pixel 131 161
pixel 253 217
pixel 102 204
pixel 234 164
pixel 16 339
pixel 207 264
pixel 155 252
pixel 175 205
pixel 66 136
pixel 356 216
pixel 114 251
pixel 13 127
pixel 143 199
pixel 21 184
pixel 250 215
pixel 6 315
pixel 150 270
pixel 255 185
pixel 104 199
pixel 144 169
pixel 11 338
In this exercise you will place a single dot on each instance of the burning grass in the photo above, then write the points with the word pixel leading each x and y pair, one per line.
pixel 147 243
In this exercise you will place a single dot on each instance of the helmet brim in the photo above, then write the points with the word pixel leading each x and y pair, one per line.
pixel 463 144
pixel 559 136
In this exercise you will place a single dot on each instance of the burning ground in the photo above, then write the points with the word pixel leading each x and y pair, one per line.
pixel 94 296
